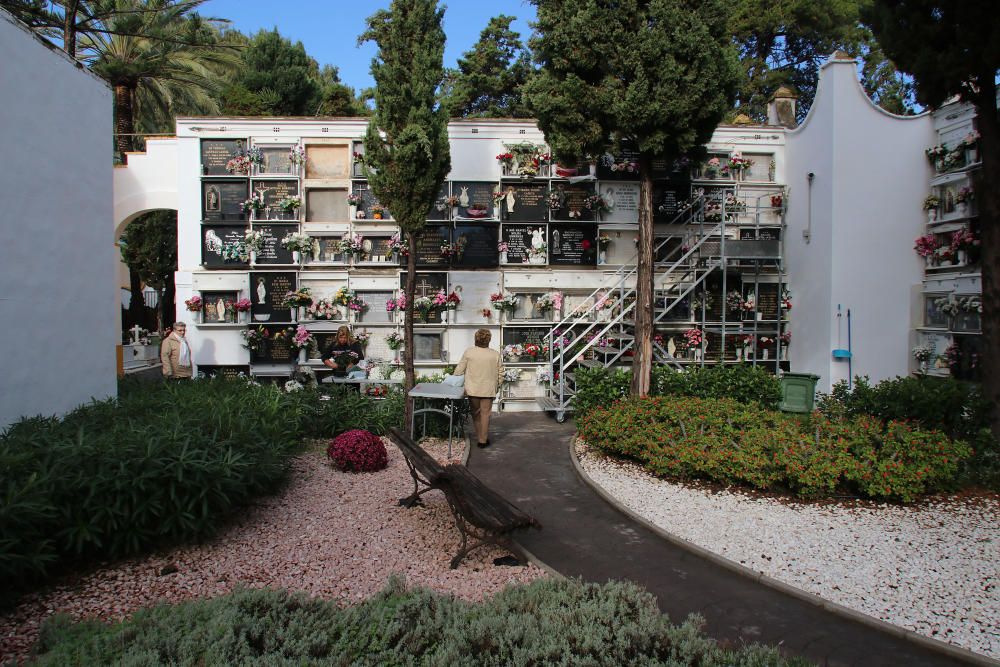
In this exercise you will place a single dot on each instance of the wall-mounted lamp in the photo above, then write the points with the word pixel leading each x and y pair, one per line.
pixel 807 232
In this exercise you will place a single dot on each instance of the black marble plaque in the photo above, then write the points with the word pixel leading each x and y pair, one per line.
pixel 475 199
pixel 525 202
pixel 276 160
pixel 215 153
pixel 275 191
pixel 763 234
pixel 622 166
pixel 213 237
pixel 223 200
pixel 573 245
pixel 273 252
pixel 476 245
pixel 667 198
pixel 367 200
pixel 212 313
pixel 766 301
pixel 518 239
pixel 223 371
pixel 572 198
pixel 441 210
pixel 275 348
pixel 429 245
pixel 524 335
pixel 324 339
pixel 267 293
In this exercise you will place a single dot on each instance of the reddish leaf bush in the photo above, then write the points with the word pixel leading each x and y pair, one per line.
pixel 358 451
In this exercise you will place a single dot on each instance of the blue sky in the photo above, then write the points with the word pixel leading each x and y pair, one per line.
pixel 329 29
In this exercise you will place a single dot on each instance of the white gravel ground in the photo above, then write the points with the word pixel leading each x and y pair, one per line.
pixel 331 534
pixel 932 567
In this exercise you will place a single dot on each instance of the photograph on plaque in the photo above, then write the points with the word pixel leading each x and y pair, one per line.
pixel 276 160
pixel 525 244
pixel 274 192
pixel 214 238
pixel 223 200
pixel 273 252
pixel 441 209
pixel 427 347
pixel 572 244
pixel 622 200
pixel 571 200
pixel 622 166
pixel 475 199
pixel 475 244
pixel 433 246
pixel 218 307
pixel 267 295
pixel 525 202
pixel 668 196
pixel 274 349
pixel 222 371
pixel 215 153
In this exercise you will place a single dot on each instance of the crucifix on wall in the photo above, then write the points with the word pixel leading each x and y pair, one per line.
pixel 423 286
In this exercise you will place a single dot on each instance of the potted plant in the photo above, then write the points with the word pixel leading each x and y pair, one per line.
pixel 378 211
pixel 925 246
pixel 931 203
pixel 242 306
pixel 299 244
pixel 963 198
pixel 194 305
pixel 289 207
pixel 503 302
pixel 297 301
pixel 923 355
pixel 695 340
pixel 965 244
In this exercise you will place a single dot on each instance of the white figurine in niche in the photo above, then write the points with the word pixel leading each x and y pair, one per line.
pixel 537 240
pixel 220 310
pixel 463 199
pixel 261 291
pixel 510 200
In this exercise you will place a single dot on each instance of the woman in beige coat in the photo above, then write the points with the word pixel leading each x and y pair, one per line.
pixel 175 354
pixel 483 376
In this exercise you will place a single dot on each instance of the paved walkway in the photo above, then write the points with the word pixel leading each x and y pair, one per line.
pixel 584 536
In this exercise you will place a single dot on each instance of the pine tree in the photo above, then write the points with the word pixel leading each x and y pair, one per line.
pixel 658 74
pixel 406 145
pixel 489 79
pixel 952 48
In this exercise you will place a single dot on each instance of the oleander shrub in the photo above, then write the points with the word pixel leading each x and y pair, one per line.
pixel 358 451
pixel 729 442
pixel 600 387
pixel 551 622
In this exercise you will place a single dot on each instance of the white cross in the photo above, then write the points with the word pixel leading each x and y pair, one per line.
pixel 136 332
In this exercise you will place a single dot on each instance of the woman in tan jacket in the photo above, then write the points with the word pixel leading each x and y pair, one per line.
pixel 175 354
pixel 483 376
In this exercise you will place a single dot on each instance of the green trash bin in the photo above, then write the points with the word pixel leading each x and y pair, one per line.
pixel 798 392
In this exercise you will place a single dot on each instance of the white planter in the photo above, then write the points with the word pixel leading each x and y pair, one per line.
pixel 602 257
pixel 932 215
pixel 294 313
pixel 296 257
pixel 747 353
pixel 503 257
pixel 303 355
pixel 253 257
pixel 592 169
pixel 963 257
pixel 963 208
pixel 784 353
pixel 764 354
pixel 243 316
pixel 760 316
pixel 444 316
pixel 536 259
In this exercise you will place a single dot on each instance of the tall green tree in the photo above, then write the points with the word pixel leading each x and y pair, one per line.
pixel 274 64
pixel 149 248
pixel 489 79
pixel 406 145
pixel 658 74
pixel 952 47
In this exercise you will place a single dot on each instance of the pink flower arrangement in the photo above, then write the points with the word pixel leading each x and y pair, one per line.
pixel 453 301
pixel 302 338
pixel 964 239
pixel 243 305
pixel 440 299
pixel 694 337
pixel 926 245
pixel 785 338
pixel 194 304
pixel 399 304
pixel 358 451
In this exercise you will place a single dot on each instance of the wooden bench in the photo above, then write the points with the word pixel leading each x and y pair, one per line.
pixel 482 516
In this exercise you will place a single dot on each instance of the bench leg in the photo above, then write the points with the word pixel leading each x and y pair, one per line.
pixel 414 498
pixel 480 537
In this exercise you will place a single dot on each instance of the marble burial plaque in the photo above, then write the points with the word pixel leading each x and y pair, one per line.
pixel 623 199
pixel 213 308
pixel 518 239
pixel 223 371
pixel 429 245
pixel 367 200
pixel 328 161
pixel 572 198
pixel 667 199
pixel 326 205
pixel 571 244
pixel 524 335
pixel 763 234
pixel 213 237
pixel 223 200
pixel 476 244
pixel 215 153
pixel 428 284
pixel 275 191
pixel 267 294
pixel 276 160
pixel 440 210
pixel 624 165
pixel 475 288
pixel 525 202
pixel 475 199
pixel 329 249
pixel 272 350
pixel 273 252
pixel 427 347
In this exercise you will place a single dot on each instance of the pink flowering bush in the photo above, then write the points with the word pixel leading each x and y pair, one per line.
pixel 358 451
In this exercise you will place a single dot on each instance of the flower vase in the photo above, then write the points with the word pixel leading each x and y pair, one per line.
pixel 301 312
pixel 784 353
pixel 928 261
pixel 602 257
pixel 294 312
pixel 592 169
pixel 253 257
pixel 747 352
pixel 444 316
pixel 963 257
pixel 963 208
pixel 760 316
pixel 764 354
pixel 303 355
pixel 354 212
pixel 503 257
pixel 496 212
pixel 243 316
pixel 739 354
pixel 296 257
pixel 923 366
pixel 931 215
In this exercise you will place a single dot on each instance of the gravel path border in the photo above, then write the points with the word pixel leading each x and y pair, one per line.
pixel 836 550
pixel 334 535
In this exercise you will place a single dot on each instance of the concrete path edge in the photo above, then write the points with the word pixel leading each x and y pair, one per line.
pixel 766 580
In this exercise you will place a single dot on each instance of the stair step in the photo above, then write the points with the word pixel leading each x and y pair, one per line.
pixel 549 404
pixel 590 363
pixel 620 336
pixel 570 376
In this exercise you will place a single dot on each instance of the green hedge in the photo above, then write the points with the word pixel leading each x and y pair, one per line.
pixel 163 464
pixel 735 443
pixel 551 622
pixel 600 387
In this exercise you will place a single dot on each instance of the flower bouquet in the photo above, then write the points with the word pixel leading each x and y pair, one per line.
pixel 322 310
pixel 513 352
pixel 550 302
pixel 255 204
pixel 254 339
pixel 378 211
pixel 290 204
pixel 297 155
pixel 355 199
pixel 926 245
pixel 395 341
pixel 299 244
pixel 253 240
pixel 596 203
pixel 194 304
pixel 503 302
pixel 396 305
pixel 352 244
pixel 738 163
pixel 424 307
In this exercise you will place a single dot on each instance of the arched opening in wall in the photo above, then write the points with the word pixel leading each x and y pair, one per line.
pixel 147 242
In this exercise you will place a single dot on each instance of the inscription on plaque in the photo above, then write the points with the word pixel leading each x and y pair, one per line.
pixel 429 246
pixel 524 335
pixel 223 200
pixel 215 153
pixel 475 199
pixel 525 202
pixel 519 239
pixel 275 191
pixel 228 372
pixel 475 245
pixel 667 199
pixel 571 200
pixel 267 295
pixel 767 300
pixel 623 166
pixel 623 199
pixel 571 244
pixel 213 238
pixel 273 252
pixel 274 349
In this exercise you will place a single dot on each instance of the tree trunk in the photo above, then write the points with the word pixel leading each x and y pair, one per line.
pixel 137 305
pixel 69 28
pixel 642 362
pixel 989 219
pixel 167 304
pixel 411 287
pixel 124 113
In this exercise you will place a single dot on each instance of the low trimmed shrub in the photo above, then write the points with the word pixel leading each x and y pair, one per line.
pixel 551 622
pixel 734 443
pixel 600 387
pixel 358 451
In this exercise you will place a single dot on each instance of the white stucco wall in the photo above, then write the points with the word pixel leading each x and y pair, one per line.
pixel 58 301
pixel 870 179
